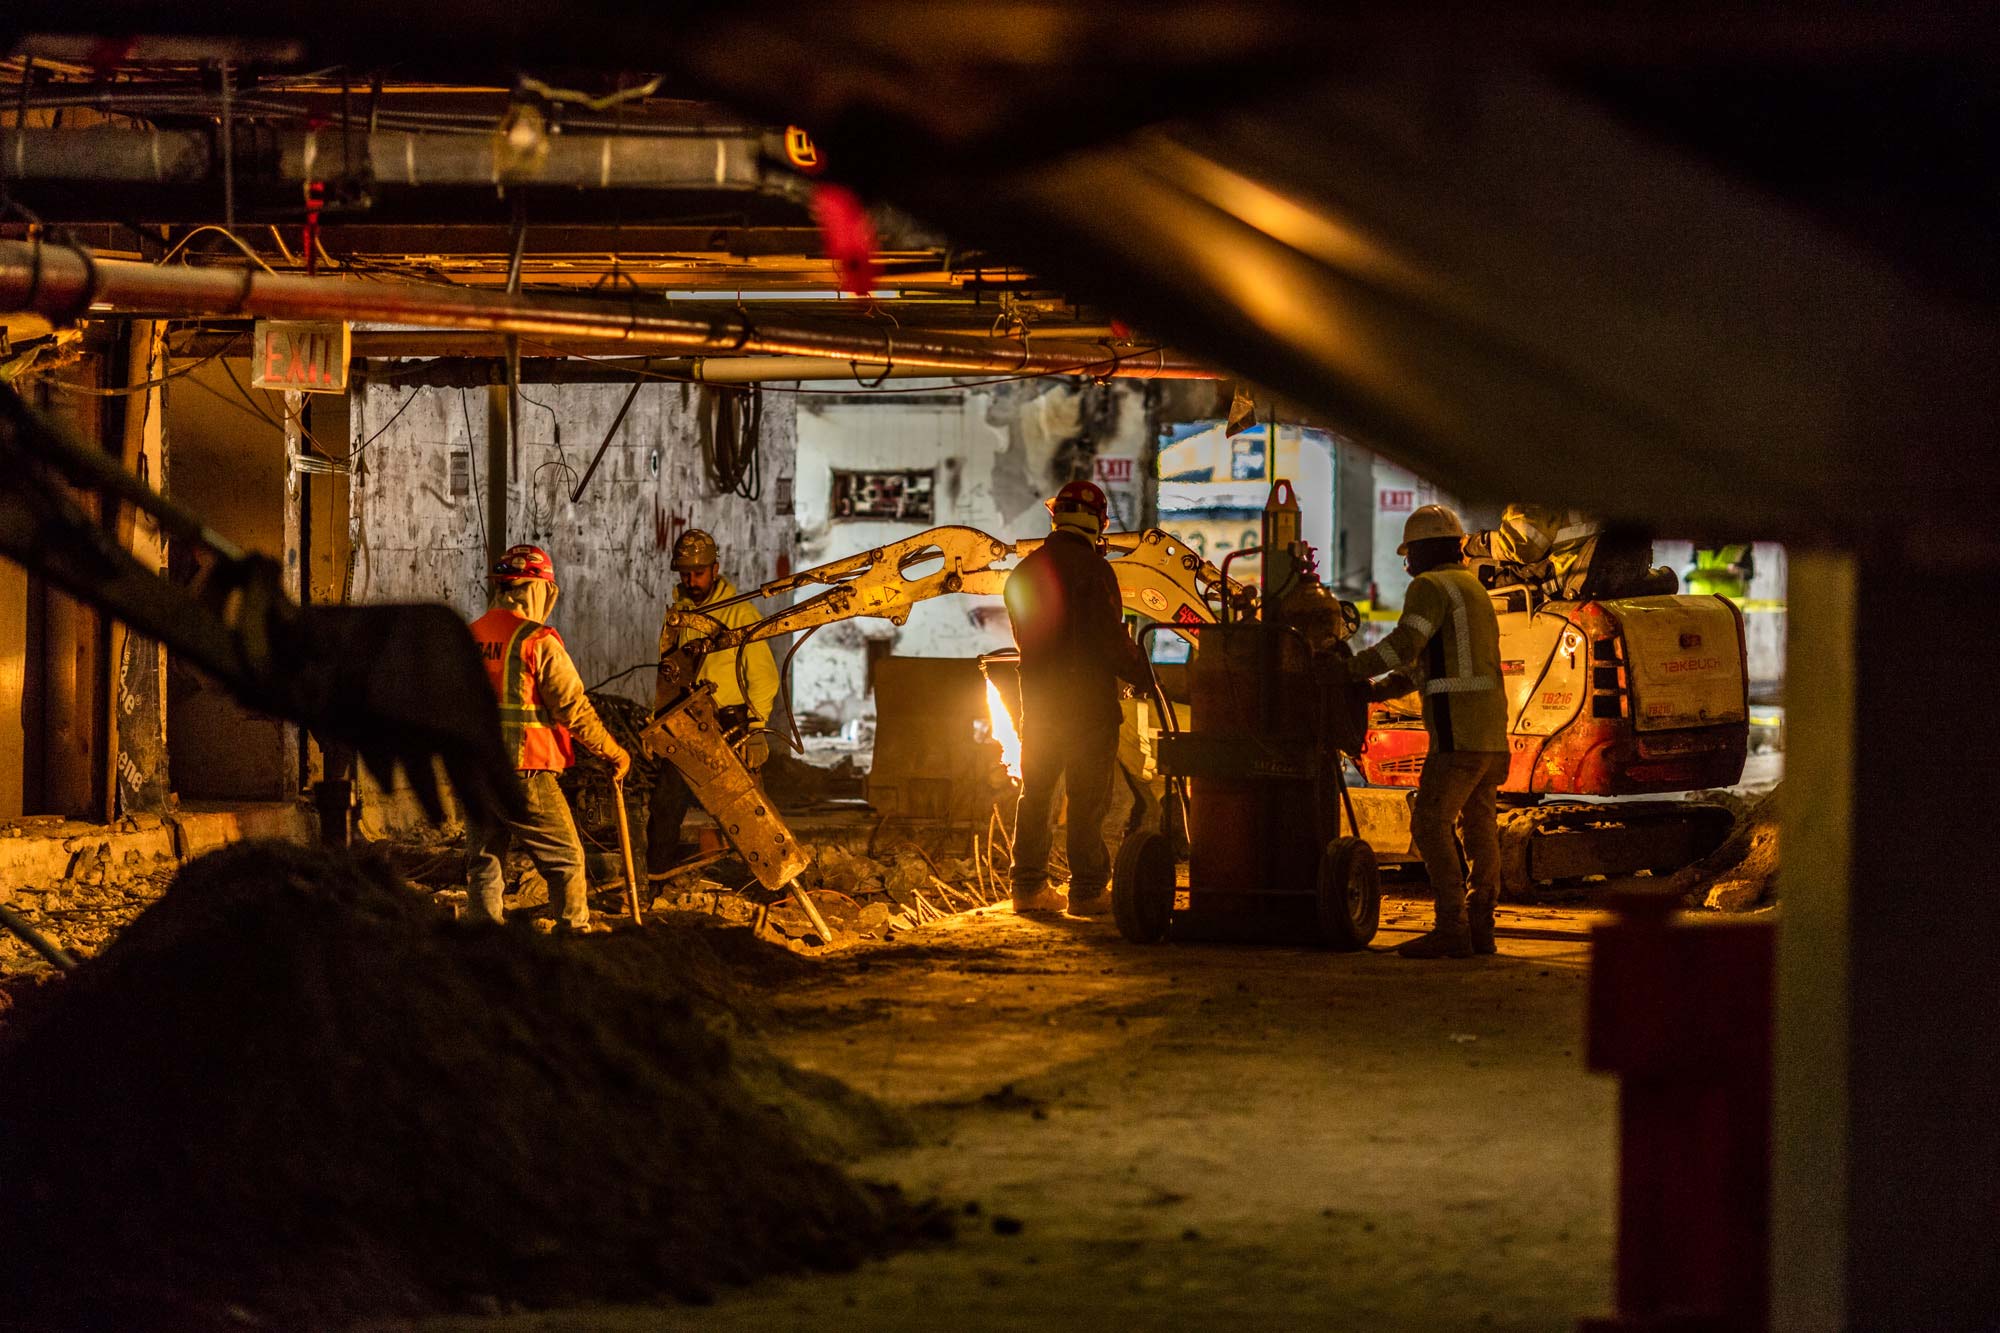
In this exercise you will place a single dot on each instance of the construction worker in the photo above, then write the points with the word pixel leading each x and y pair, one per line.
pixel 1066 612
pixel 543 710
pixel 746 689
pixel 1446 647
pixel 1723 571
pixel 1568 554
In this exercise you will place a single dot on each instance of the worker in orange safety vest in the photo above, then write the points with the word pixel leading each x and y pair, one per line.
pixel 543 709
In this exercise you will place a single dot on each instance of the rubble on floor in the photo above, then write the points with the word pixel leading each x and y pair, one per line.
pixel 99 894
pixel 860 896
pixel 293 1094
pixel 1742 873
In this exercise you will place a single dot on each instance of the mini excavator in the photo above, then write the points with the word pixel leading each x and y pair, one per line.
pixel 1160 578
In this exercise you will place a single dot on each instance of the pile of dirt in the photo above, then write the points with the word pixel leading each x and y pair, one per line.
pixel 1743 872
pixel 290 1095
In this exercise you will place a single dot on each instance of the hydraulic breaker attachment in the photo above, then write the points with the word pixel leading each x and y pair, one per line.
pixel 691 737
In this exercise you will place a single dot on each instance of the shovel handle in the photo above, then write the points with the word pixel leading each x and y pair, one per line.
pixel 625 849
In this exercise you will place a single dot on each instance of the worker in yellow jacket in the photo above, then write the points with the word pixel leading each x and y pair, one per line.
pixel 1446 648
pixel 745 680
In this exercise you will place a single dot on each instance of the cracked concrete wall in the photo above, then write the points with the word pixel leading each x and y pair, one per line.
pixel 998 452
pixel 414 539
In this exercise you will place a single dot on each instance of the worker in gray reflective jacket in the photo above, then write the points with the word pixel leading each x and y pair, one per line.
pixel 1446 647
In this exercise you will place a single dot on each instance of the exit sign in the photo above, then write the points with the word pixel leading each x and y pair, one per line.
pixel 1396 502
pixel 310 357
pixel 1114 471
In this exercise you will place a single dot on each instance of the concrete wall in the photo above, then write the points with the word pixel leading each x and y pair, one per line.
pixel 225 460
pixel 414 540
pixel 998 453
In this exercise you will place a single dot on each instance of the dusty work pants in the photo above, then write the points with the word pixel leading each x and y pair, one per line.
pixel 1457 791
pixel 547 835
pixel 666 811
pixel 1057 752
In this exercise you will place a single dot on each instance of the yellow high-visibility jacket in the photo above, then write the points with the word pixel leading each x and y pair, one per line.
pixel 1722 570
pixel 759 671
pixel 1549 548
pixel 1446 647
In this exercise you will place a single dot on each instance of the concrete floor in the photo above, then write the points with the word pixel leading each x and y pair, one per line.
pixel 1206 1136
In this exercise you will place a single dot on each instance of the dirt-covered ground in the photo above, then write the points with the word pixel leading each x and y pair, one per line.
pixel 1203 1136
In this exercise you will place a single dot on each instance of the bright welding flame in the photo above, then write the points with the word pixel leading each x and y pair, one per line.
pixel 1002 725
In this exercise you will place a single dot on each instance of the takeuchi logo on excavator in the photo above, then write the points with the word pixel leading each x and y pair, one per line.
pixel 1683 665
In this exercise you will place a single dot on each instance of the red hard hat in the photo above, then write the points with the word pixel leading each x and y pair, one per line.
pixel 1083 495
pixel 523 564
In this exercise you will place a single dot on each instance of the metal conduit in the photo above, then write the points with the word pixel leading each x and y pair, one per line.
pixel 65 283
pixel 396 157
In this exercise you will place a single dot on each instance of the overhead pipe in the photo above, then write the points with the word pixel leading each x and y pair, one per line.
pixel 63 282
pixel 393 157
pixel 464 372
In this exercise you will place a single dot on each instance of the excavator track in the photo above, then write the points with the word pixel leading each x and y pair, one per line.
pixel 1550 845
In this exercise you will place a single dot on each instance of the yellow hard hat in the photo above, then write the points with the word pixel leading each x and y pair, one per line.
pixel 694 550
pixel 1430 521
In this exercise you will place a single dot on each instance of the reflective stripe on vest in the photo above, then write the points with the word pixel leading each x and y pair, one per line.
pixel 532 736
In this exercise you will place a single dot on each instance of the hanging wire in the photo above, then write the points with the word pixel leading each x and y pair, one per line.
pixel 362 447
pixel 472 462
pixel 233 238
pixel 129 390
pixel 731 422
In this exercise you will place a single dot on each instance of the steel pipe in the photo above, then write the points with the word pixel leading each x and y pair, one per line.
pixel 65 283
pixel 392 157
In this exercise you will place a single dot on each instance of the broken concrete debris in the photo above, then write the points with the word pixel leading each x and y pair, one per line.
pixel 872 897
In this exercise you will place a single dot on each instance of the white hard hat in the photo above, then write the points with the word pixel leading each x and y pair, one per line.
pixel 1430 521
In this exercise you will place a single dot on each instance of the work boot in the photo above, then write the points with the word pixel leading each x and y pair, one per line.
pixel 1088 902
pixel 1479 923
pixel 1447 939
pixel 1038 900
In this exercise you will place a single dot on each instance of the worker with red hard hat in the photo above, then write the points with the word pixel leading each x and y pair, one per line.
pixel 1067 616
pixel 544 712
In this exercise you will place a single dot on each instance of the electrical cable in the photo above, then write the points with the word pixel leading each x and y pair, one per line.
pixel 360 448
pixel 147 387
pixel 472 463
pixel 614 679
pixel 731 422
pixel 233 238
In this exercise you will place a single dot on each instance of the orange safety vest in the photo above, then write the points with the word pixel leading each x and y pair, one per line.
pixel 510 646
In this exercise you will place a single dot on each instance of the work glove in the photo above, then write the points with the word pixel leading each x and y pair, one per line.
pixel 756 750
pixel 621 764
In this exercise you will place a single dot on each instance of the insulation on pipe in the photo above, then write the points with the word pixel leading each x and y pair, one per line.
pixel 64 282
pixel 393 157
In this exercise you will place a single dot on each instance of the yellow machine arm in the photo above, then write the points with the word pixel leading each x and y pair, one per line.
pixel 1159 576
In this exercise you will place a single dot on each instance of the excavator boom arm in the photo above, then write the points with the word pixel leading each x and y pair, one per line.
pixel 1159 576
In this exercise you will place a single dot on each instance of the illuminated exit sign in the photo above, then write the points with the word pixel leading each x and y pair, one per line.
pixel 310 357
